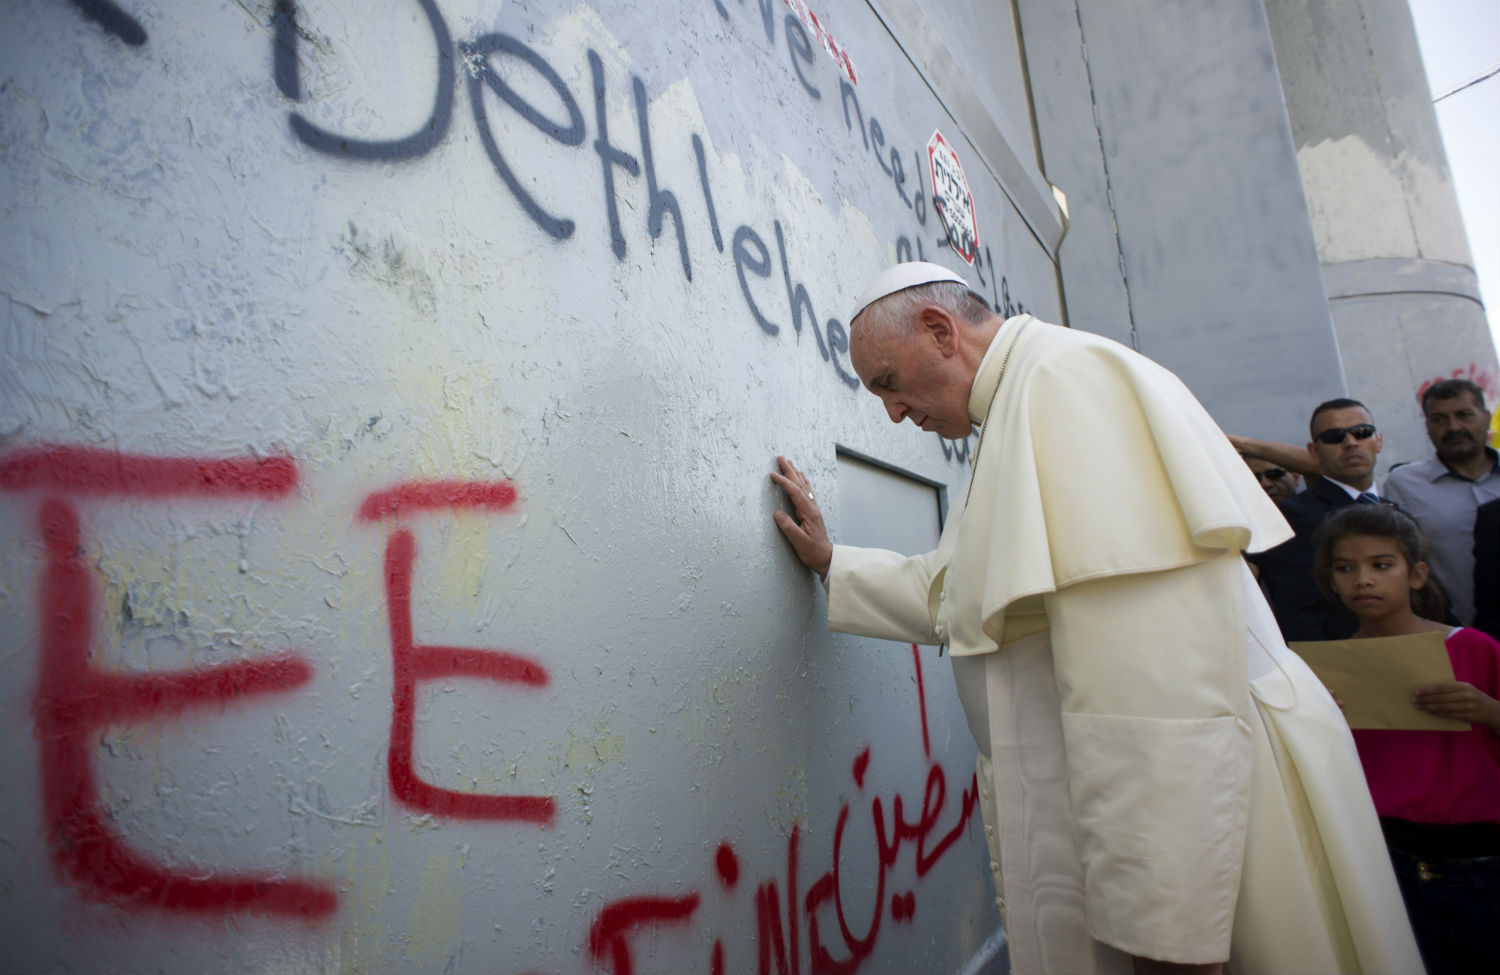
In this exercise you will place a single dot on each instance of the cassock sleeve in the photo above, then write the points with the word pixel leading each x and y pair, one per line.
pixel 1151 677
pixel 882 594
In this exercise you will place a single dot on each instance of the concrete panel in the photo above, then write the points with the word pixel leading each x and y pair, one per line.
pixel 1072 158
pixel 1196 182
pixel 386 558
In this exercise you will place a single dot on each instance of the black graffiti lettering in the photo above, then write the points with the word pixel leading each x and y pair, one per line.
pixel 920 201
pixel 898 173
pixel 1005 296
pixel 410 147
pixel 903 249
pixel 846 93
pixel 994 282
pixel 838 341
pixel 797 297
pixel 954 449
pixel 979 267
pixel 114 20
pixel 877 139
pixel 284 50
pixel 482 75
pixel 749 251
pixel 708 197
pixel 801 51
pixel 768 18
pixel 744 239
pixel 609 158
pixel 662 201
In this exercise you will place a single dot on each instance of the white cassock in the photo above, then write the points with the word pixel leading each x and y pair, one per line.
pixel 1159 775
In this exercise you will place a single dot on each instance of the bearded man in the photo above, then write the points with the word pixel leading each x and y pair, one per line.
pixel 1165 786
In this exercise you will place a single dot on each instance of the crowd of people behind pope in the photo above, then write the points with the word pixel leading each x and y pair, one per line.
pixel 1419 552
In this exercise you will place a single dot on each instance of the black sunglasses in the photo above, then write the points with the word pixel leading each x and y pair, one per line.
pixel 1336 435
pixel 1273 473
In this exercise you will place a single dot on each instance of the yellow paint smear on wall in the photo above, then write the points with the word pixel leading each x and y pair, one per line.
pixel 590 752
pixel 366 940
pixel 434 927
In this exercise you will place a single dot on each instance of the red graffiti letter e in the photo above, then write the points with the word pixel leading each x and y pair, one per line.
pixel 415 663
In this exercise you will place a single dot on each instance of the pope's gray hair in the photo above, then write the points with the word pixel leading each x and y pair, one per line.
pixel 896 314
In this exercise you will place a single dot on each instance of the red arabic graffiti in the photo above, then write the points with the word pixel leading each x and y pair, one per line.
pixel 607 935
pixel 777 945
pixel 74 698
pixel 1485 379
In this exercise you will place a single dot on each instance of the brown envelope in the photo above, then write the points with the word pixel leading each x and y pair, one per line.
pixel 1375 678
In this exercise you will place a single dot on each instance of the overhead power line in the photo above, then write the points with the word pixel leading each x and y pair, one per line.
pixel 1489 72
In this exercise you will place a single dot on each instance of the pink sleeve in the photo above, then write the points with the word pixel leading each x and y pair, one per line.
pixel 1476 659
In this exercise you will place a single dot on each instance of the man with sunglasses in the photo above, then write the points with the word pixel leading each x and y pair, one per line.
pixel 1278 482
pixel 1344 446
pixel 1444 492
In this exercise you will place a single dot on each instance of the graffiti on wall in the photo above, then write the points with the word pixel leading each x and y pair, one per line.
pixel 502 84
pixel 748 245
pixel 935 829
pixel 75 697
pixel 1485 379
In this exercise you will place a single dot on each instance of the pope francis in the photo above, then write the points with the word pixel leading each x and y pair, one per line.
pixel 1165 786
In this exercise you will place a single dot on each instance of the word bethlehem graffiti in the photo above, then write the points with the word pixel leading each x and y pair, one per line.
pixel 749 247
pixel 75 698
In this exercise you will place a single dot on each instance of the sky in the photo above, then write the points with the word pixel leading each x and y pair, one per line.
pixel 1460 41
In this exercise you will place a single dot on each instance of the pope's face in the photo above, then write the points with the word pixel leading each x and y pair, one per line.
pixel 915 379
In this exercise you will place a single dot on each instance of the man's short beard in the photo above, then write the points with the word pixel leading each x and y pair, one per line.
pixel 1458 450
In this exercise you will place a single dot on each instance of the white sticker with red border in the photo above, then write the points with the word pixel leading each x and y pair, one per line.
pixel 825 39
pixel 951 198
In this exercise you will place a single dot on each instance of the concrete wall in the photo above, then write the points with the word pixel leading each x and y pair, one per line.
pixel 1395 260
pixel 388 397
pixel 386 561
pixel 1188 233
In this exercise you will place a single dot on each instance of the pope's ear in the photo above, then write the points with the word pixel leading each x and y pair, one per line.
pixel 937 324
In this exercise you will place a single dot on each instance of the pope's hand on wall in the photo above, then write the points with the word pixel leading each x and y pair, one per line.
pixel 804 527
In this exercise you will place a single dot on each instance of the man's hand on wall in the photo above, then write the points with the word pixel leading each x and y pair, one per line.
pixel 804 528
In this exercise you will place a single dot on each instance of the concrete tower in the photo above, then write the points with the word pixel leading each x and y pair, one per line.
pixel 1396 264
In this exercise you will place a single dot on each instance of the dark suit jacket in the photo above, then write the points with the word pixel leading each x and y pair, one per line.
pixel 1487 569
pixel 1286 574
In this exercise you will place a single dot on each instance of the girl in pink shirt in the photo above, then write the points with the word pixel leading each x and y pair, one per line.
pixel 1437 792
